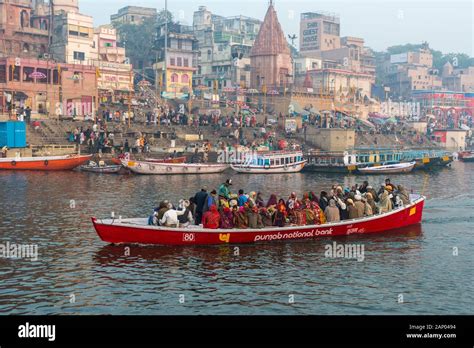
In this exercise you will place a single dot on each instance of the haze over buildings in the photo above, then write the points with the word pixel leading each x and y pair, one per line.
pixel 382 23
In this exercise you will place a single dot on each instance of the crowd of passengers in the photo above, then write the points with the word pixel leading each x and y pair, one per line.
pixel 226 210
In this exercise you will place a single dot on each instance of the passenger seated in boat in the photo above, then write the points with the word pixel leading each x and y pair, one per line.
pixel 314 215
pixel 212 199
pixel 323 200
pixel 259 200
pixel 272 201
pixel 162 208
pixel 367 207
pixel 403 195
pixel 252 199
pixel 280 214
pixel 359 205
pixel 227 218
pixel 351 209
pixel 211 218
pixel 170 217
pixel 332 212
pixel 388 183
pixel 371 202
pixel 267 216
pixel 187 218
pixel 374 195
pixel 254 218
pixel 385 204
pixel 240 218
pixel 242 199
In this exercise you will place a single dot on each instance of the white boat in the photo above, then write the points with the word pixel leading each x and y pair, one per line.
pixel 153 168
pixel 271 163
pixel 397 168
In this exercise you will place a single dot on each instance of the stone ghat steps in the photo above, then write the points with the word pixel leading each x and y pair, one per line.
pixel 365 139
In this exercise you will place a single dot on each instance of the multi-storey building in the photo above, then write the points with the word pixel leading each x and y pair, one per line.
pixel 411 71
pixel 133 15
pixel 319 32
pixel 461 80
pixel 114 73
pixel 73 39
pixel 224 45
pixel 176 76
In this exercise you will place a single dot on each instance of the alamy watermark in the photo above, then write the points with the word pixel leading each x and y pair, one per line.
pixel 345 251
pixel 236 157
pixel 19 251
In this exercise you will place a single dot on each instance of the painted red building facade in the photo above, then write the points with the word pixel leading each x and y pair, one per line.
pixel 47 87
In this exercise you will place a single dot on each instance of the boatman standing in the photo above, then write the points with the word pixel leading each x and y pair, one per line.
pixel 224 190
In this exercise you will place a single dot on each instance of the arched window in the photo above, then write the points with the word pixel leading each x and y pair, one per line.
pixel 174 78
pixel 26 48
pixel 25 19
pixel 44 24
pixel 185 78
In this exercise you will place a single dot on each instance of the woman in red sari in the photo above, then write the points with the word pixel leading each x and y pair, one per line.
pixel 211 218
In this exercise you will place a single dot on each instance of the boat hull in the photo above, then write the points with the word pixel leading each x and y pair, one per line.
pixel 466 156
pixel 428 163
pixel 152 168
pixel 281 169
pixel 314 168
pixel 48 163
pixel 113 231
pixel 102 170
pixel 401 168
pixel 167 160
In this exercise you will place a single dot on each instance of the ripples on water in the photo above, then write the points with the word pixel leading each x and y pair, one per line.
pixel 416 262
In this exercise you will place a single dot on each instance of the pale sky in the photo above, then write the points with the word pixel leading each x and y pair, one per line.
pixel 447 25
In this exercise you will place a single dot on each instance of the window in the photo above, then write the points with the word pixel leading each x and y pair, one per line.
pixel 79 55
pixel 27 71
pixel 132 18
pixel 174 77
pixel 172 61
pixel 185 62
pixel 179 61
pixel 185 78
pixel 3 73
pixel 180 45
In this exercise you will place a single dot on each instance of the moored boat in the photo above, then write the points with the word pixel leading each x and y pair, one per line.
pixel 181 159
pixel 137 231
pixel 104 169
pixel 466 156
pixel 153 168
pixel 397 168
pixel 271 163
pixel 118 160
pixel 47 163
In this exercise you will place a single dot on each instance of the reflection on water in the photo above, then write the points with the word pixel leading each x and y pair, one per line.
pixel 417 261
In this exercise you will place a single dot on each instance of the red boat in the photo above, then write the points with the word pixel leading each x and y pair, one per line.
pixel 136 231
pixel 44 163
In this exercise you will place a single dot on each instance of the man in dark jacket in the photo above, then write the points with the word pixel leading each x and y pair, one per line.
pixel 200 200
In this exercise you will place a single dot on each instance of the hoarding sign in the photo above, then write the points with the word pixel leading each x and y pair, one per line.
pixel 399 58
pixel 309 36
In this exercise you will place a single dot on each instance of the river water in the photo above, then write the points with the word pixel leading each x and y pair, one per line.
pixel 425 269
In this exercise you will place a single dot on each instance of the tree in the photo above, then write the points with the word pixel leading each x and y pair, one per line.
pixel 162 17
pixel 139 42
